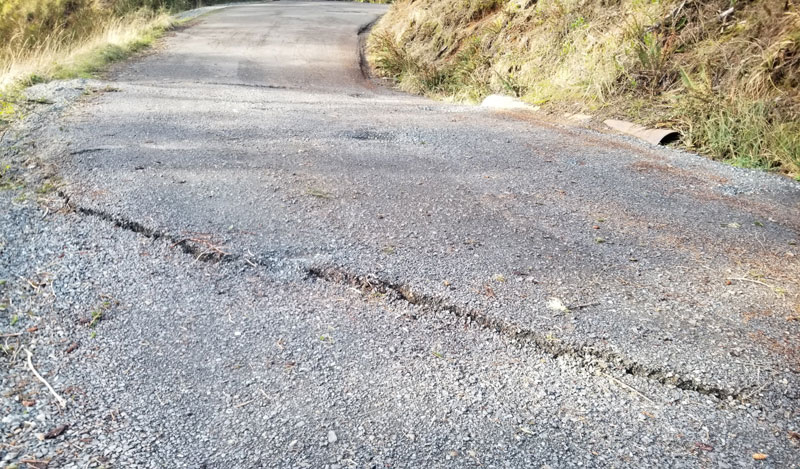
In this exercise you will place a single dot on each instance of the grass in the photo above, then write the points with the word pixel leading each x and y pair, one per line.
pixel 52 39
pixel 731 84
pixel 116 39
pixel 318 193
pixel 99 313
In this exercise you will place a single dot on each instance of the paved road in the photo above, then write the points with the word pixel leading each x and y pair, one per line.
pixel 408 283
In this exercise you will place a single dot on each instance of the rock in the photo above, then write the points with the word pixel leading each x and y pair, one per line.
pixel 332 438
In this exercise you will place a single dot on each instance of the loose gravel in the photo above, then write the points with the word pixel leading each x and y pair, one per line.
pixel 225 258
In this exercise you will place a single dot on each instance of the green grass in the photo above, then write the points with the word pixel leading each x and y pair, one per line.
pixel 89 64
pixel 7 180
pixel 748 134
pixel 81 44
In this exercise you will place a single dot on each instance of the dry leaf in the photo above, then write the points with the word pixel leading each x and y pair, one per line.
pixel 54 433
pixel 557 305
pixel 704 446
pixel 759 456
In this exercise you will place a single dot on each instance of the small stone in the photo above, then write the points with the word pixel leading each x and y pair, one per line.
pixel 332 438
pixel 40 436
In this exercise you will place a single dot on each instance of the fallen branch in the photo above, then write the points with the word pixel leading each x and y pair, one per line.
pixel 61 400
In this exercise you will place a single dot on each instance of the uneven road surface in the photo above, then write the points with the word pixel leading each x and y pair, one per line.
pixel 295 266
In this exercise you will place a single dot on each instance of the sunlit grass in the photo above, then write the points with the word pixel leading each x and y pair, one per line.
pixel 731 87
pixel 58 57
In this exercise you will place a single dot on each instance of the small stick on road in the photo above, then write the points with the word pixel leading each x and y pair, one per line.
pixel 759 282
pixel 61 400
pixel 242 404
pixel 756 391
pixel 630 388
pixel 585 305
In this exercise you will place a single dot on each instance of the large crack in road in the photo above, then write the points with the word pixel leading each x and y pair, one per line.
pixel 585 355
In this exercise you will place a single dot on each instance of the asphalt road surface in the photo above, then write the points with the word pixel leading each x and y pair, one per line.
pixel 309 269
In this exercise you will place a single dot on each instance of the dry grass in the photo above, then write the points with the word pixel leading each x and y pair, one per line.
pixel 730 82
pixel 55 57
pixel 54 39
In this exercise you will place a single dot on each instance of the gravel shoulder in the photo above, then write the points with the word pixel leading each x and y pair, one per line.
pixel 225 257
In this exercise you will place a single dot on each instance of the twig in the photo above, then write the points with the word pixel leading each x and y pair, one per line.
pixel 630 388
pixel 742 279
pixel 60 399
pixel 242 404
pixel 15 334
pixel 756 391
pixel 584 305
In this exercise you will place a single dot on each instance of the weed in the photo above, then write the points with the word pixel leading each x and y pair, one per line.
pixel 98 313
pixel 46 188
pixel 313 192
pixel 7 111
pixel 744 133
pixel 14 320
pixel 7 180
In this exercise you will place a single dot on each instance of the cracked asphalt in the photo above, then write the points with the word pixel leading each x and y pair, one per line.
pixel 297 266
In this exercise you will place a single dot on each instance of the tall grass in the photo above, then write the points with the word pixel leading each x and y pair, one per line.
pixel 730 83
pixel 61 54
pixel 43 39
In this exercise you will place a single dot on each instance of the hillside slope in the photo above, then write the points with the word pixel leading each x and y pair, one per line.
pixel 725 72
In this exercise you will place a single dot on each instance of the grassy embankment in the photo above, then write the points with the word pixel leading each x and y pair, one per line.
pixel 41 40
pixel 724 72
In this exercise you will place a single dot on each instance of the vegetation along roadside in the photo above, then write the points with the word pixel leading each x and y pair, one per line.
pixel 58 39
pixel 724 72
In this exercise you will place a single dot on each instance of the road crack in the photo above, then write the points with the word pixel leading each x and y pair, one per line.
pixel 201 249
pixel 585 355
